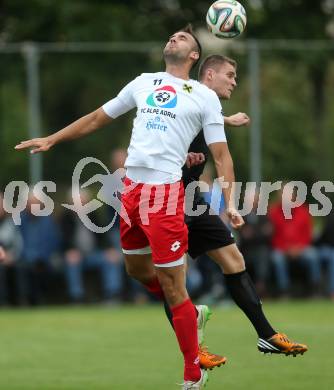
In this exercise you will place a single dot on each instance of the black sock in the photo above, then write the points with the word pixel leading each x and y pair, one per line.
pixel 243 292
pixel 169 313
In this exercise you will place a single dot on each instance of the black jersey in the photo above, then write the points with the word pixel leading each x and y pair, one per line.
pixel 207 231
pixel 197 146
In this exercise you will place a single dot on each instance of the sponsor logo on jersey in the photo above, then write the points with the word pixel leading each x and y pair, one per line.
pixel 157 111
pixel 156 123
pixel 163 97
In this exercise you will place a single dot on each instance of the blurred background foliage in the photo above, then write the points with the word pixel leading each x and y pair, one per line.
pixel 296 84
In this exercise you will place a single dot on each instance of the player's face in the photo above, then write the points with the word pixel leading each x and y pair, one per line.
pixel 179 47
pixel 224 80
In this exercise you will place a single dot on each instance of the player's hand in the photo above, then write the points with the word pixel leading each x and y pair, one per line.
pixel 235 218
pixel 194 159
pixel 237 120
pixel 37 145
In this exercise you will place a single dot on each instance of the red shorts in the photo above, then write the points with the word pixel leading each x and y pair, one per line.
pixel 155 221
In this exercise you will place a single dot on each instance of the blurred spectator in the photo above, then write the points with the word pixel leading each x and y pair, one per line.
pixel 254 243
pixel 2 253
pixel 325 244
pixel 10 249
pixel 86 250
pixel 40 242
pixel 292 242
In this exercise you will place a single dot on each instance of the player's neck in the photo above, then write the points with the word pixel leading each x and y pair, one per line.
pixel 178 71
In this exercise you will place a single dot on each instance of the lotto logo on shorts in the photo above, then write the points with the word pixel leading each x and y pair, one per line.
pixel 175 246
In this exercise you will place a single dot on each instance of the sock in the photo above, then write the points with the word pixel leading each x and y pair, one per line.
pixel 154 287
pixel 169 313
pixel 185 325
pixel 243 292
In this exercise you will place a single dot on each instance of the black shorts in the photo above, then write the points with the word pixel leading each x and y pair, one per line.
pixel 206 232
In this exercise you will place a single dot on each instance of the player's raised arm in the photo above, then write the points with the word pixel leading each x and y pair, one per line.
pixel 83 126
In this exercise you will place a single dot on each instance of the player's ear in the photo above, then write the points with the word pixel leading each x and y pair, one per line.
pixel 209 74
pixel 194 55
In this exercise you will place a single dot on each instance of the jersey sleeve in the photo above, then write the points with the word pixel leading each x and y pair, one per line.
pixel 123 102
pixel 213 113
pixel 213 120
pixel 214 133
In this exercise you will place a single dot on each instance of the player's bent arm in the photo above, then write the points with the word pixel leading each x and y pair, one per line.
pixel 225 172
pixel 81 127
pixel 225 169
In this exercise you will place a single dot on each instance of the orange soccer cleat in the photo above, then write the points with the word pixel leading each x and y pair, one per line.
pixel 279 343
pixel 208 360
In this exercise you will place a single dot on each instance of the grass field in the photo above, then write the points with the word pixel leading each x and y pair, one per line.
pixel 95 348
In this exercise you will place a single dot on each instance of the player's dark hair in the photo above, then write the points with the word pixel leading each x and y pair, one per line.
pixel 214 61
pixel 189 29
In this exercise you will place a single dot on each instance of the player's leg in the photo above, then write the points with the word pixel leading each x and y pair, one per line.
pixel 172 281
pixel 241 287
pixel 141 268
pixel 179 304
pixel 243 292
pixel 208 234
pixel 203 313
pixel 207 359
pixel 168 237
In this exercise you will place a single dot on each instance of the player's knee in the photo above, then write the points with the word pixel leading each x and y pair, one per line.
pixel 141 274
pixel 133 271
pixel 235 265
pixel 239 260
pixel 175 296
pixel 230 259
pixel 174 293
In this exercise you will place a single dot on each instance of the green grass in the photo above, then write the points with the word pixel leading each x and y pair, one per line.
pixel 100 348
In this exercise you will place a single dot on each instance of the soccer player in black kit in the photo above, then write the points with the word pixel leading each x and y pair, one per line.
pixel 208 234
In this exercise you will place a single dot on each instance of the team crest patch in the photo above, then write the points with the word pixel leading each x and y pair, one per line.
pixel 187 88
pixel 164 97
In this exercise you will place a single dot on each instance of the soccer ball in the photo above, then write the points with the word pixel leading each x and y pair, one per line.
pixel 226 18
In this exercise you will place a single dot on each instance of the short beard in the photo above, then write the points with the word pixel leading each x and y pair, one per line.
pixel 173 58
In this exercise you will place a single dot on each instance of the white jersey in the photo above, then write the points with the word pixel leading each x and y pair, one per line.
pixel 170 113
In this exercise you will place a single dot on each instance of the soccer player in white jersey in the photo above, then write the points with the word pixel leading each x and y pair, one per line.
pixel 171 110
